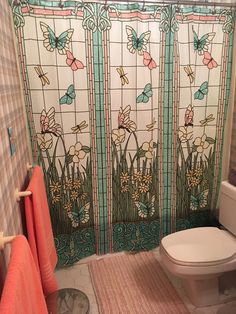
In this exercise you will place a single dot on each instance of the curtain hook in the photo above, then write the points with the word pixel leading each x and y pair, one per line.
pixel 143 7
pixel 207 3
pixel 61 5
pixel 214 9
pixel 105 7
pixel 177 7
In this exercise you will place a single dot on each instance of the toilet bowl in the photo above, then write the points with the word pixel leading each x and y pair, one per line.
pixel 200 256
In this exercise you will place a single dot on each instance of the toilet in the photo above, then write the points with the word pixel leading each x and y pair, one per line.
pixel 202 256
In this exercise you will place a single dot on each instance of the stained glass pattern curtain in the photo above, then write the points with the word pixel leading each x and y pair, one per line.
pixel 126 107
pixel 232 164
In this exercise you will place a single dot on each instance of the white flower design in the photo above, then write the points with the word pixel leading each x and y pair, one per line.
pixel 44 141
pixel 184 134
pixel 118 136
pixel 77 152
pixel 201 143
pixel 148 148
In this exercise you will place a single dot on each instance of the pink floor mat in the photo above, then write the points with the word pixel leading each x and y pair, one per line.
pixel 134 283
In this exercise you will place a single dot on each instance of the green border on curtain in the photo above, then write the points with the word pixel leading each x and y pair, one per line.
pixel 98 66
pixel 168 122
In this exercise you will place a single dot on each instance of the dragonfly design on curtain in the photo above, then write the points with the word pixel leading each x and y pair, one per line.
pixel 126 107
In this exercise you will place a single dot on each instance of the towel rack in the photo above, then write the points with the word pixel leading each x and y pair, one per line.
pixel 19 194
pixel 5 240
pixel 29 166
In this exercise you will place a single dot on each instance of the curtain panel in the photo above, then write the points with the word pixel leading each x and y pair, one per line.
pixel 232 164
pixel 126 107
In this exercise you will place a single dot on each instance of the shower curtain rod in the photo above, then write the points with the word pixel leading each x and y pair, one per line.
pixel 182 2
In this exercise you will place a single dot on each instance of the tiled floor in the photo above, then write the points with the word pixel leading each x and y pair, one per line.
pixel 78 277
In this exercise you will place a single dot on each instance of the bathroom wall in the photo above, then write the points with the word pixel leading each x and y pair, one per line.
pixel 13 171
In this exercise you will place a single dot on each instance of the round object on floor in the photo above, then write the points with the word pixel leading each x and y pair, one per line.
pixel 67 301
pixel 227 309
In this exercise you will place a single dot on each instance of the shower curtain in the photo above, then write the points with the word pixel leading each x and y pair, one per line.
pixel 126 106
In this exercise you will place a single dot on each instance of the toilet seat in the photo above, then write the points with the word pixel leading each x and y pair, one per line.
pixel 204 246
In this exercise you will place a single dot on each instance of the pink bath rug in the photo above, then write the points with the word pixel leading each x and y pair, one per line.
pixel 134 284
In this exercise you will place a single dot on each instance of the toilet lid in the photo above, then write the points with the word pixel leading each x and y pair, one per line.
pixel 200 245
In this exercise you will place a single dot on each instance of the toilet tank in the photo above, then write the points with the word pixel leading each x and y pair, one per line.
pixel 228 206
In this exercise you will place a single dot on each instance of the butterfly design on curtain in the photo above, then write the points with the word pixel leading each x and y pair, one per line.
pixel 43 76
pixel 202 44
pixel 82 216
pixel 188 118
pixel 146 94
pixel 72 62
pixel 48 124
pixel 148 61
pixel 135 43
pixel 190 73
pixel 124 121
pixel 52 42
pixel 69 96
pixel 124 79
pixel 145 210
pixel 199 201
pixel 202 91
pixel 209 61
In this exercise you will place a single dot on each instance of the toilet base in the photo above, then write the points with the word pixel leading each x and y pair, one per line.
pixel 211 291
pixel 207 285
pixel 202 292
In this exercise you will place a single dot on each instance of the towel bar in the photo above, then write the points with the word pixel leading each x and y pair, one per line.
pixel 5 240
pixel 20 194
pixel 29 166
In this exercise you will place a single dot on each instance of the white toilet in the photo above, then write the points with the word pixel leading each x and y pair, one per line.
pixel 200 256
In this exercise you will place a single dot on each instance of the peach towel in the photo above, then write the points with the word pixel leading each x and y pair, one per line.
pixel 22 291
pixel 39 230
